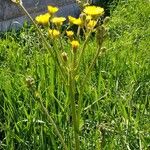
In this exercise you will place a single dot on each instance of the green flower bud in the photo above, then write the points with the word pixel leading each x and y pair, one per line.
pixel 64 56
pixel 30 81
pixel 106 20
pixel 103 49
pixel 100 34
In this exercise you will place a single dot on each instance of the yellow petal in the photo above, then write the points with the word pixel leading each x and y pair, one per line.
pixel 93 10
pixel 52 10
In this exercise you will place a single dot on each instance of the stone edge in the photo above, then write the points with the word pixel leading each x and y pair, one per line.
pixel 15 23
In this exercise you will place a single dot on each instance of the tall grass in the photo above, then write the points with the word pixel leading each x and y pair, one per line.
pixel 115 106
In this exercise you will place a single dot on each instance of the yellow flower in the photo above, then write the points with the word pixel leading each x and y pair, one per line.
pixel 16 1
pixel 93 10
pixel 71 19
pixel 43 19
pixel 91 24
pixel 69 33
pixel 58 20
pixel 76 21
pixel 54 33
pixel 52 10
pixel 75 44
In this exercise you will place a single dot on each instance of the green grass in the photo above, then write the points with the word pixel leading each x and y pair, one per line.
pixel 116 108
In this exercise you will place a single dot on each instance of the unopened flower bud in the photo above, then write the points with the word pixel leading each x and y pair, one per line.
pixel 83 17
pixel 37 95
pixel 100 34
pixel 64 56
pixel 103 49
pixel 30 81
pixel 106 20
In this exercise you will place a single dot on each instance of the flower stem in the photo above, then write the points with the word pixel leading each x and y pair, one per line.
pixel 53 123
pixel 82 51
pixel 48 47
pixel 83 83
pixel 71 90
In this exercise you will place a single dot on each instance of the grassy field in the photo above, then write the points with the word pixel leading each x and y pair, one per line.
pixel 116 100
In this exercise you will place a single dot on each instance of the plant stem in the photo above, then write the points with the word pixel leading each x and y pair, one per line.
pixel 53 123
pixel 48 47
pixel 91 66
pixel 71 90
pixel 85 79
pixel 82 51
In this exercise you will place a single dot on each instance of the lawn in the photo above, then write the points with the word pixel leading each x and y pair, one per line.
pixel 115 106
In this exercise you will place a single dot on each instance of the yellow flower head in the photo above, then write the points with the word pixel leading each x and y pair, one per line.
pixel 71 19
pixel 70 33
pixel 58 20
pixel 43 19
pixel 16 1
pixel 93 10
pixel 54 33
pixel 75 44
pixel 52 10
pixel 76 21
pixel 91 24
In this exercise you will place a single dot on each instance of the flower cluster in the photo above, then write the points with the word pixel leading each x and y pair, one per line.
pixel 87 21
pixel 68 56
pixel 88 18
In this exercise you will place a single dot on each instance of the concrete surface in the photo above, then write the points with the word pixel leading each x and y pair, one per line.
pixel 12 17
